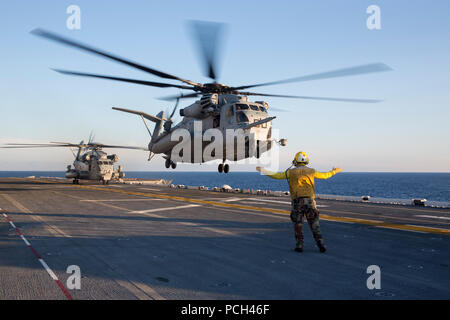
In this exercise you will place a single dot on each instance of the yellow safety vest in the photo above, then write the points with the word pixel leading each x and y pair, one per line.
pixel 301 180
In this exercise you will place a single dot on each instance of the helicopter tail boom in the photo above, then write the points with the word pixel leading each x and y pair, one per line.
pixel 158 120
pixel 147 116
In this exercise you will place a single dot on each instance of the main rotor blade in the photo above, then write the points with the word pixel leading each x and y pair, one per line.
pixel 37 145
pixel 277 109
pixel 91 137
pixel 57 145
pixel 142 82
pixel 207 36
pixel 310 98
pixel 174 109
pixel 181 96
pixel 119 147
pixel 78 45
pixel 352 71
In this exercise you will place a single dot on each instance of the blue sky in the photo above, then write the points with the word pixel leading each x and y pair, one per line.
pixel 266 40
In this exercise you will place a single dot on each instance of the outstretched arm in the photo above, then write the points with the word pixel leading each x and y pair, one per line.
pixel 274 175
pixel 326 175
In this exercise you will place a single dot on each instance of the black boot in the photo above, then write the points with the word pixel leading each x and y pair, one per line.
pixel 321 247
pixel 298 249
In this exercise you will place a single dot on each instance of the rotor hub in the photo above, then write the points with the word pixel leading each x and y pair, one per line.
pixel 214 87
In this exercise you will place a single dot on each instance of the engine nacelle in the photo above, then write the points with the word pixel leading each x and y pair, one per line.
pixel 113 157
pixel 203 108
pixel 193 111
pixel 265 104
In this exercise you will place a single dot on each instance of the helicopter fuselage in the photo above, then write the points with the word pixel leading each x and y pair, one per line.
pixel 94 165
pixel 233 116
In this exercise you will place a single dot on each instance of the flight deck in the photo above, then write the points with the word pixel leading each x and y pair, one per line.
pixel 152 242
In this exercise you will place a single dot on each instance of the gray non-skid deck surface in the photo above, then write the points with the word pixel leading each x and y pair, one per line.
pixel 132 246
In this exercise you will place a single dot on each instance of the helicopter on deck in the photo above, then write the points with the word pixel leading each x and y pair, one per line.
pixel 90 163
pixel 219 106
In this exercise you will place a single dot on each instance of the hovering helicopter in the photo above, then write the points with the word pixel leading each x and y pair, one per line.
pixel 91 163
pixel 219 106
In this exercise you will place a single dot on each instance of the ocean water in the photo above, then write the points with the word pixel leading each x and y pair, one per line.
pixel 431 186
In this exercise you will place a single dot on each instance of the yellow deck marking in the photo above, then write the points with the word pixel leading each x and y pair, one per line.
pixel 149 214
pixel 272 210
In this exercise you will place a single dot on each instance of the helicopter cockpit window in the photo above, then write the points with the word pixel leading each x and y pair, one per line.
pixel 241 117
pixel 263 109
pixel 254 107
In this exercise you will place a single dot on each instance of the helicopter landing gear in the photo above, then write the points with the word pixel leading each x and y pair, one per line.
pixel 105 182
pixel 76 181
pixel 169 163
pixel 225 168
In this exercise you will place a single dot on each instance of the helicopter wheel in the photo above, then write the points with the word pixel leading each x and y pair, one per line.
pixel 226 168
pixel 168 163
pixel 174 165
pixel 220 168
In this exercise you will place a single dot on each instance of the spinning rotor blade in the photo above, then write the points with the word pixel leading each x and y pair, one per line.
pixel 36 145
pixel 352 71
pixel 71 145
pixel 207 36
pixel 91 137
pixel 142 82
pixel 174 109
pixel 57 38
pixel 310 98
pixel 181 96
pixel 277 109
pixel 26 146
pixel 99 145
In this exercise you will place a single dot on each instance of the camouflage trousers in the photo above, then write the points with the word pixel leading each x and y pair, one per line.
pixel 305 207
